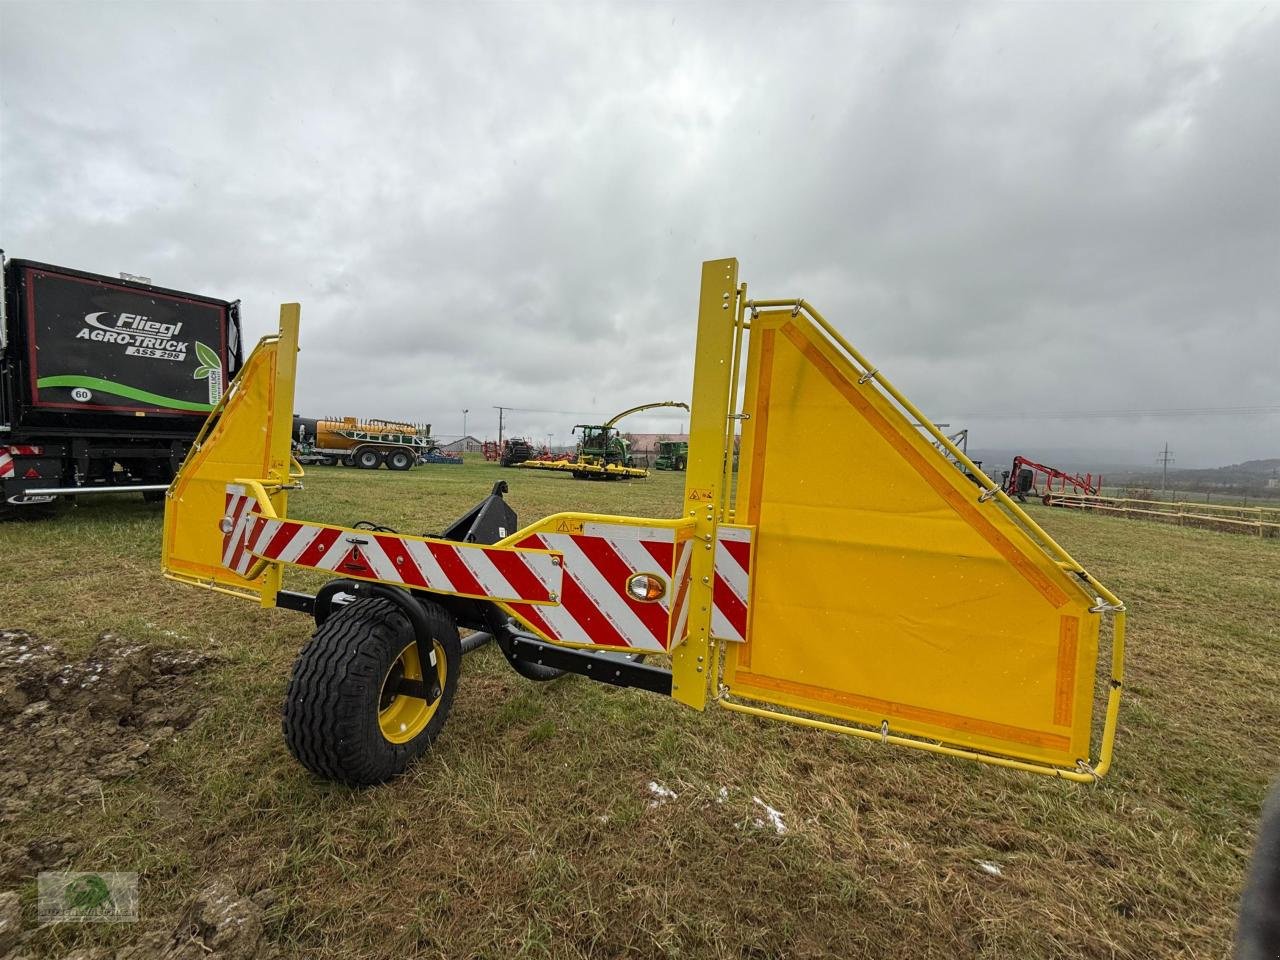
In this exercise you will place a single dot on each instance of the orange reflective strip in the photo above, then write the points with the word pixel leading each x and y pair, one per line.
pixel 885 709
pixel 1065 691
pixel 758 438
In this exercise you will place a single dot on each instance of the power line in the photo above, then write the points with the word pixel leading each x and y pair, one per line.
pixel 1242 411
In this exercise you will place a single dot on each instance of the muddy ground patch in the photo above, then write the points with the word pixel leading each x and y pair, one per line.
pixel 69 726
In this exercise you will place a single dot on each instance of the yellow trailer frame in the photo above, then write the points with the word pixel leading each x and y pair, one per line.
pixel 875 591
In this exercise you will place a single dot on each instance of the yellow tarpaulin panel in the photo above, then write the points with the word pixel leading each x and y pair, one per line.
pixel 246 436
pixel 883 591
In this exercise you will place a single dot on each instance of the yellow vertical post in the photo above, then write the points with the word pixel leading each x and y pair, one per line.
pixel 693 662
pixel 280 432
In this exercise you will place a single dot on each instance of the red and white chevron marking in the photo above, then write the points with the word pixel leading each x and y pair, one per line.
pixel 595 607
pixel 732 591
pixel 567 587
pixel 8 468
pixel 468 570
pixel 236 516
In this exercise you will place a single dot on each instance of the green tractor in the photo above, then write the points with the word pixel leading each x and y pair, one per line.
pixel 672 455
pixel 603 446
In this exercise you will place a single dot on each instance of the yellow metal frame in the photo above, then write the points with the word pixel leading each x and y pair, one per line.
pixel 247 441
pixel 707 469
pixel 1106 604
pixel 247 433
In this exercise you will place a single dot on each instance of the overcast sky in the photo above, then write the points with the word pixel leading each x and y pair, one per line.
pixel 1033 209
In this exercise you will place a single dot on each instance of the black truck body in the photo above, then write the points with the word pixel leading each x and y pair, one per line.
pixel 104 383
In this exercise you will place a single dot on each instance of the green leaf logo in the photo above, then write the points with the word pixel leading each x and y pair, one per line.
pixel 209 362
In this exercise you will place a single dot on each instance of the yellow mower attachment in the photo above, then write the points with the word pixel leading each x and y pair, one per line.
pixel 587 471
pixel 876 591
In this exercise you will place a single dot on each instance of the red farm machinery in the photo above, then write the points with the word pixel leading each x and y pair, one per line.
pixel 1026 477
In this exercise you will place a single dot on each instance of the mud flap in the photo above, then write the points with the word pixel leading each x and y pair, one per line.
pixel 887 590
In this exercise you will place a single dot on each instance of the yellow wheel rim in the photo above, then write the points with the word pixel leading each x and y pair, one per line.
pixel 402 717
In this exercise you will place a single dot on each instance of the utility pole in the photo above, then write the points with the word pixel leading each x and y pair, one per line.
pixel 1165 459
pixel 464 426
pixel 501 411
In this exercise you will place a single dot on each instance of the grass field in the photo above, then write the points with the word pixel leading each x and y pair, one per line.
pixel 528 830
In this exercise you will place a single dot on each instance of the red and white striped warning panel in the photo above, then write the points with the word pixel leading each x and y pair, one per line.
pixel 468 570
pixel 235 518
pixel 595 608
pixel 732 592
pixel 567 582
pixel 8 468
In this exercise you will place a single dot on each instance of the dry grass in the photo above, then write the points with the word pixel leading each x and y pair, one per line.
pixel 527 831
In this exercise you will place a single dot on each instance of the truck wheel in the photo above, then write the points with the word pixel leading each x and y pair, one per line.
pixel 353 712
pixel 679 463
pixel 368 458
pixel 399 460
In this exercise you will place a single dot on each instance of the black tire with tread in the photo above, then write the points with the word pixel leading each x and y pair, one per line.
pixel 370 454
pixel 330 717
pixel 399 460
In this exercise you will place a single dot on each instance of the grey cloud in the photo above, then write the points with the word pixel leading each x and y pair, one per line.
pixel 1008 208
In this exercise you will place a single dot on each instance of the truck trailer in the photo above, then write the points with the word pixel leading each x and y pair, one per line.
pixel 104 383
pixel 367 444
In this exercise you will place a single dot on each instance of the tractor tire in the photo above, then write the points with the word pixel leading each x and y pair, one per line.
pixel 367 458
pixel 680 463
pixel 341 720
pixel 399 460
pixel 329 461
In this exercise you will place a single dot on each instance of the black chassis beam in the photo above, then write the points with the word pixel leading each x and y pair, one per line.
pixel 611 669
pixel 595 665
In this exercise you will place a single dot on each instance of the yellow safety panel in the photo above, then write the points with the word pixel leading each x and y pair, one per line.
pixel 882 590
pixel 246 436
